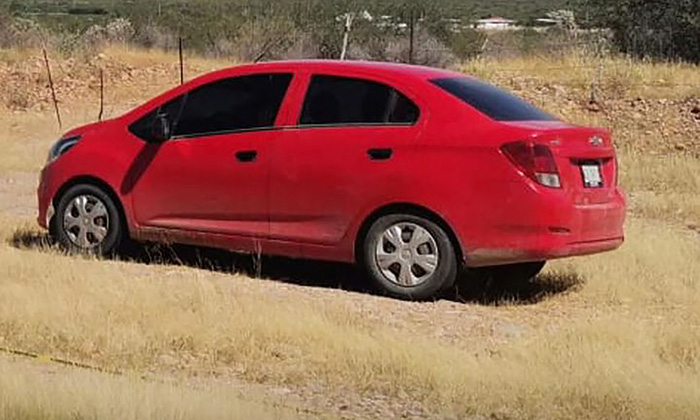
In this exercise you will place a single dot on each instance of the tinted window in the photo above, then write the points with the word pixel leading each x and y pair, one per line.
pixel 240 103
pixel 340 100
pixel 492 101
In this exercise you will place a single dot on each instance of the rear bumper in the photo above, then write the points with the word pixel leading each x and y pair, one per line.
pixel 489 257
pixel 549 227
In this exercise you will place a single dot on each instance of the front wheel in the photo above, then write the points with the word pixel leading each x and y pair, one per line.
pixel 409 257
pixel 87 221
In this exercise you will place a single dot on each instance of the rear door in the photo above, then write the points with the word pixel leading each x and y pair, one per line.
pixel 340 157
pixel 212 175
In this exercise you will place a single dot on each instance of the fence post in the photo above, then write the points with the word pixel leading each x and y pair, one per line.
pixel 182 62
pixel 597 80
pixel 53 89
pixel 346 34
pixel 102 95
pixel 411 33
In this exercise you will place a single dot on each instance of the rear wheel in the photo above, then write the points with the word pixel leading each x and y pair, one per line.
pixel 87 221
pixel 409 257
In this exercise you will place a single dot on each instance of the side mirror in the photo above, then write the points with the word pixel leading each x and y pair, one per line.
pixel 161 129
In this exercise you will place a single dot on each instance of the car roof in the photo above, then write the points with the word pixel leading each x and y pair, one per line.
pixel 398 69
pixel 393 70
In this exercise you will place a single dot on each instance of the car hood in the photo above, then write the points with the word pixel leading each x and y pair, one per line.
pixel 87 129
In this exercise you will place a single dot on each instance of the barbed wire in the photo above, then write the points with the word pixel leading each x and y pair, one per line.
pixel 58 360
pixel 46 358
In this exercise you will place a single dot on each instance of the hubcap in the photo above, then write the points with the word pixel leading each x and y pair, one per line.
pixel 86 221
pixel 407 254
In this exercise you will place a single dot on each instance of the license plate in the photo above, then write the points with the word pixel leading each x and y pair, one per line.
pixel 591 176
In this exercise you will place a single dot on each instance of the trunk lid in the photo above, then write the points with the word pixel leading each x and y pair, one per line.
pixel 585 158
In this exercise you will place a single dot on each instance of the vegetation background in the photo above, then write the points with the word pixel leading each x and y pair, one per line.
pixel 269 29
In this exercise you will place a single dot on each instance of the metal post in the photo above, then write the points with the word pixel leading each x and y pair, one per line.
pixel 411 24
pixel 53 89
pixel 102 95
pixel 346 35
pixel 182 62
pixel 597 81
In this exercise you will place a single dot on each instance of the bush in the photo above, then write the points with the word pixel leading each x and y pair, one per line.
pixel 303 47
pixel 119 31
pixel 427 51
pixel 151 35
pixel 265 38
pixel 19 32
pixel 651 28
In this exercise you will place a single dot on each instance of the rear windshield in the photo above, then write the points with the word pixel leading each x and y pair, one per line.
pixel 492 101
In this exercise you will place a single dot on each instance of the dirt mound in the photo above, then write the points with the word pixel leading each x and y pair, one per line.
pixel 648 125
pixel 644 123
pixel 24 84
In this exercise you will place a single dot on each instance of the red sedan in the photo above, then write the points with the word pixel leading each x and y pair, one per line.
pixel 411 172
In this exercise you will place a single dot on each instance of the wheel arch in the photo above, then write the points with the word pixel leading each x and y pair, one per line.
pixel 406 208
pixel 96 182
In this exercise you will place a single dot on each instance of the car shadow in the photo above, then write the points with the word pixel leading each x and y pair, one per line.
pixel 469 289
pixel 138 167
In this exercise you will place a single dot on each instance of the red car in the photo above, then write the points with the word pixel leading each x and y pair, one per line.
pixel 412 172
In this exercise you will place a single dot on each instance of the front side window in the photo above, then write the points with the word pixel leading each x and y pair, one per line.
pixel 333 100
pixel 228 105
pixel 492 101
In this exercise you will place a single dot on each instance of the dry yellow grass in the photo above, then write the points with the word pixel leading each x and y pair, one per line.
pixel 615 76
pixel 633 353
pixel 663 187
pixel 36 391
pixel 626 344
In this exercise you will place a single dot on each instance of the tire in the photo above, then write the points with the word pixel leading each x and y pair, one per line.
pixel 88 221
pixel 409 269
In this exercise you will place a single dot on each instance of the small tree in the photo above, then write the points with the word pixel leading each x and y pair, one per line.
pixel 667 29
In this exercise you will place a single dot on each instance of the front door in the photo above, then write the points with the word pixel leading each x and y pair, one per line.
pixel 215 184
pixel 212 176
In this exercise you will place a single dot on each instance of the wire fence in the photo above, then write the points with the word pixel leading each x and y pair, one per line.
pixel 596 76
pixel 586 56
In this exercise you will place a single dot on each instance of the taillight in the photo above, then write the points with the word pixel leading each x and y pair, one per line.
pixel 535 161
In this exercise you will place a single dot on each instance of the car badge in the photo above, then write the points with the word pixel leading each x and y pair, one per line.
pixel 596 141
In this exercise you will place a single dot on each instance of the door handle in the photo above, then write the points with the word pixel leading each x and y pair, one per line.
pixel 380 154
pixel 247 156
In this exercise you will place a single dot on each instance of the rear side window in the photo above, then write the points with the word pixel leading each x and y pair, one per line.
pixel 335 100
pixel 492 101
pixel 240 103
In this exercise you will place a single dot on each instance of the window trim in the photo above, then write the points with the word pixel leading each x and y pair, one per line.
pixel 224 133
pixel 354 125
pixel 180 94
pixel 310 79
